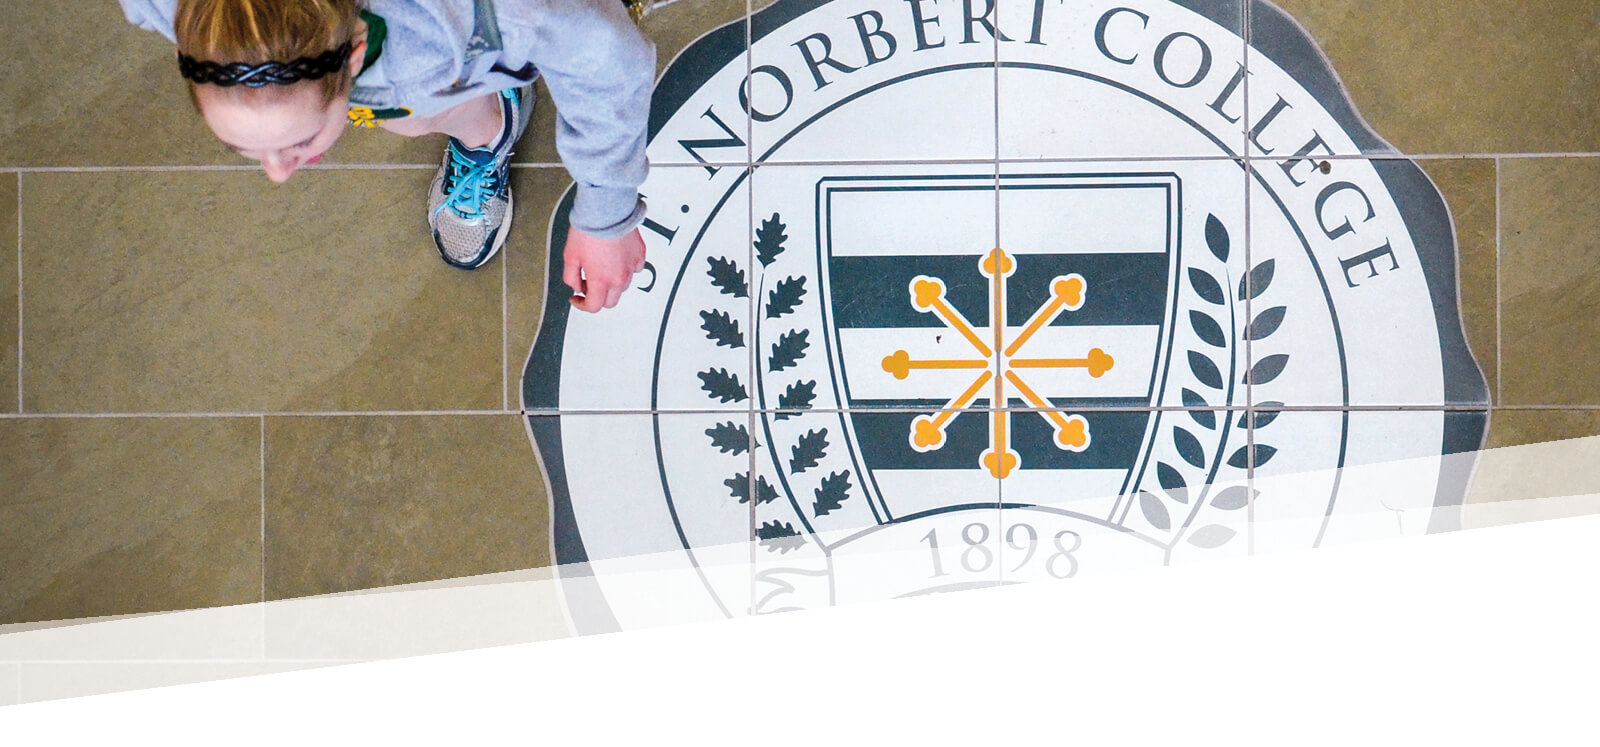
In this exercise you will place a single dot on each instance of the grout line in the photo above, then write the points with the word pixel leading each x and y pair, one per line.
pixel 749 72
pixel 1103 410
pixel 993 159
pixel 1499 310
pixel 505 327
pixel 1372 156
pixel 257 414
pixel 1442 407
pixel 19 293
pixel 752 481
pixel 1166 158
pixel 999 484
pixel 214 168
pixel 753 359
pixel 999 552
pixel 1245 118
pixel 1249 349
pixel 263 536
pixel 102 662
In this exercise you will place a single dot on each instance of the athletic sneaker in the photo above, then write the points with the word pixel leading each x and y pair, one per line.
pixel 470 200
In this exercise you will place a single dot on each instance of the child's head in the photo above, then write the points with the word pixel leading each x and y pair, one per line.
pixel 282 124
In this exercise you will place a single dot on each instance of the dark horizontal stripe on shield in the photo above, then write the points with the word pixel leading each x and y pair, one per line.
pixel 1123 289
pixel 1114 441
pixel 1065 404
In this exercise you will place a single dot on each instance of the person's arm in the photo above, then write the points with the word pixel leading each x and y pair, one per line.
pixel 600 70
pixel 152 15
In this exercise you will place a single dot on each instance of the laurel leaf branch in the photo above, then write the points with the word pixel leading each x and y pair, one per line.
pixel 1264 325
pixel 1207 372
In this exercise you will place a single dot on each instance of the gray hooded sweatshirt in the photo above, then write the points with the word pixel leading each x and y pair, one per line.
pixel 436 54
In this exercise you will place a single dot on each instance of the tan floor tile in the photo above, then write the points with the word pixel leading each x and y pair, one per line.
pixel 358 502
pixel 116 516
pixel 115 88
pixel 675 25
pixel 8 293
pixel 1522 427
pixel 1469 189
pixel 538 191
pixel 1477 76
pixel 1550 248
pixel 189 292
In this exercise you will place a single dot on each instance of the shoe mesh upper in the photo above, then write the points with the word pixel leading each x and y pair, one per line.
pixel 470 198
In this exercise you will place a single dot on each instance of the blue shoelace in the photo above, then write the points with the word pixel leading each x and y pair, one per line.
pixel 468 185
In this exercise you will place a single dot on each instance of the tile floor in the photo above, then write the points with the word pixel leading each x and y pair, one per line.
pixel 222 391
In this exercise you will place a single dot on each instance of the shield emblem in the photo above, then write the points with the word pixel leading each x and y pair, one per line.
pixel 928 324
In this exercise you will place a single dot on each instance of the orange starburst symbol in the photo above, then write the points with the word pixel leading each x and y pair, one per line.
pixel 997 362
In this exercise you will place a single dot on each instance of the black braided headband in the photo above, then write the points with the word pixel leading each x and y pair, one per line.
pixel 255 76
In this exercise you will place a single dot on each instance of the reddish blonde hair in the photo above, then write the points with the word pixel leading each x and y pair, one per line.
pixel 258 31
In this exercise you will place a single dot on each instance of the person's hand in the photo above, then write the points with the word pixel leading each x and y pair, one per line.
pixel 598 270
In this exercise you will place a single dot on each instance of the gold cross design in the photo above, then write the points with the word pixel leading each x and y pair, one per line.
pixel 998 364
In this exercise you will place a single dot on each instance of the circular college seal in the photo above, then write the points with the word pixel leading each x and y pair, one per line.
pixel 951 294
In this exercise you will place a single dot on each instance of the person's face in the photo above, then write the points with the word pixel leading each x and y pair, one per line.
pixel 282 132
pixel 283 135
